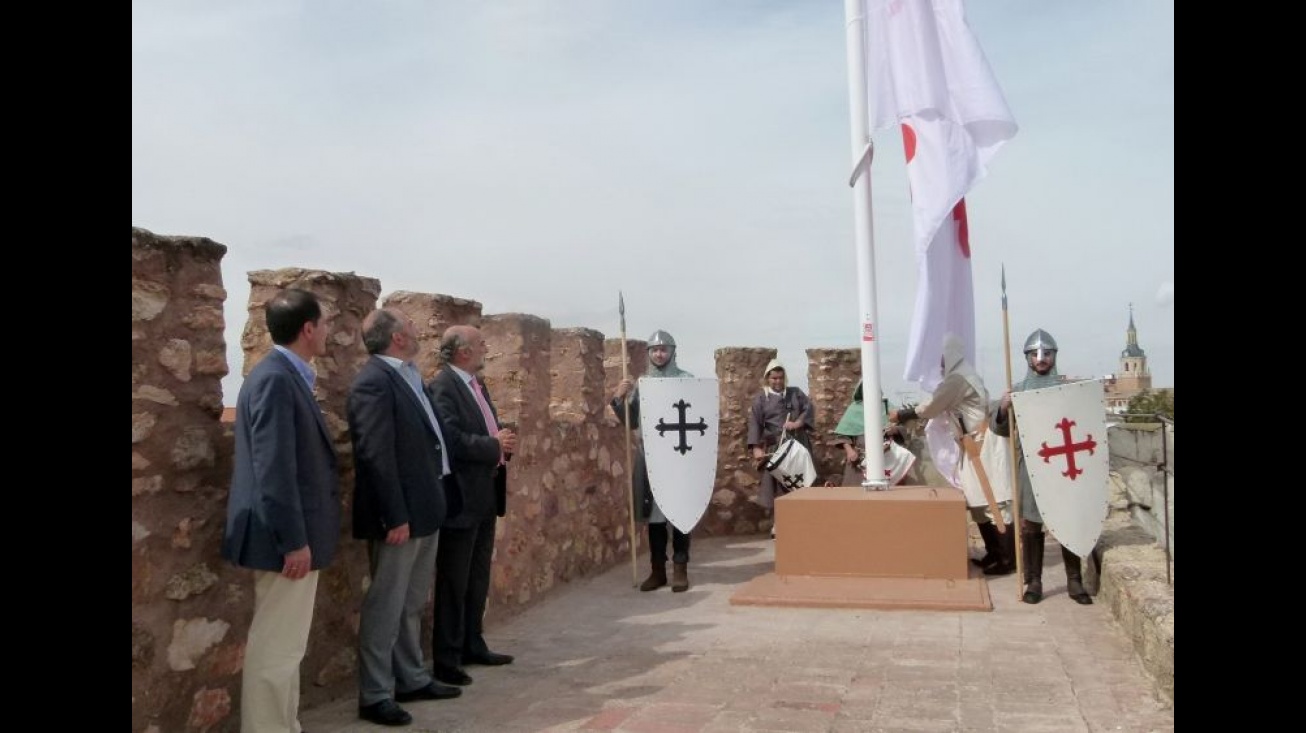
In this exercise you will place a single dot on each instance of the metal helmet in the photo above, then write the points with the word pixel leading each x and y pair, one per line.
pixel 661 338
pixel 1041 347
pixel 1040 340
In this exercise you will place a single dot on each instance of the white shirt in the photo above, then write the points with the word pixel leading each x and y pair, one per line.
pixel 408 371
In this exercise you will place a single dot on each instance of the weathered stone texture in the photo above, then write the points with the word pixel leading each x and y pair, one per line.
pixel 175 356
pixel 142 425
pixel 209 707
pixel 191 638
pixel 569 483
pixel 193 448
pixel 636 363
pixel 733 508
pixel 179 463
pixel 142 646
pixel 577 393
pixel 1137 450
pixel 517 367
pixel 191 581
pixel 1136 581
pixel 832 376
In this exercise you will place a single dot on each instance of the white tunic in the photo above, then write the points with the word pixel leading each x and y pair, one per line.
pixel 959 406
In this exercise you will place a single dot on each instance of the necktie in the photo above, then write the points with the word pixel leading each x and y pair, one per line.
pixel 490 423
pixel 414 379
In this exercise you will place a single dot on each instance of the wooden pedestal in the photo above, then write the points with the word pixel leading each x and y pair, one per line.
pixel 909 532
pixel 848 547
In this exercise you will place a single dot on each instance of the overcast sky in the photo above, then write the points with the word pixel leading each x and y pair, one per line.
pixel 538 156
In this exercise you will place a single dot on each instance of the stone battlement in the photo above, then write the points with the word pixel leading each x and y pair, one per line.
pixel 568 489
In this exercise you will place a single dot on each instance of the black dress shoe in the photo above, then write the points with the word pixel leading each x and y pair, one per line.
pixel 489 659
pixel 385 712
pixel 451 676
pixel 433 691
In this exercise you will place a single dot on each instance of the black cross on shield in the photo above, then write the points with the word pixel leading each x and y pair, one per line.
pixel 681 427
pixel 678 422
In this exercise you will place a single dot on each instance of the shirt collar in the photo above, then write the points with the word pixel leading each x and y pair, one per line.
pixel 304 368
pixel 465 376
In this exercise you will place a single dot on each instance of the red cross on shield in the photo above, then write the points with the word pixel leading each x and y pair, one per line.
pixel 1064 446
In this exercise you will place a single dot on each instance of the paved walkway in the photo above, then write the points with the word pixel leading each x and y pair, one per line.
pixel 600 655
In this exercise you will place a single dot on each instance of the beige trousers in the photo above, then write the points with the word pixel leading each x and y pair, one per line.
pixel 278 639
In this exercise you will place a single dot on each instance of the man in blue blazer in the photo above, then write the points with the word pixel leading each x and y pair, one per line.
pixel 283 510
pixel 399 461
pixel 477 496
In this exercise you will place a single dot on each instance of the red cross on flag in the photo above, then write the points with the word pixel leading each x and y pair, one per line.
pixel 1063 445
pixel 928 75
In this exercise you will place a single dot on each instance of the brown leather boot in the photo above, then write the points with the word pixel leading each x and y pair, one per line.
pixel 656 579
pixel 679 577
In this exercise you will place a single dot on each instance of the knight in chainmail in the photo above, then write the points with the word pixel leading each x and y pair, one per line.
pixel 958 410
pixel 1041 358
pixel 661 365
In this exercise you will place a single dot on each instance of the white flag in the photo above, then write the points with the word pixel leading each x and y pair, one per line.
pixel 928 74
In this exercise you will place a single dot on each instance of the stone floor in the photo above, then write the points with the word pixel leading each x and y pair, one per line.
pixel 598 655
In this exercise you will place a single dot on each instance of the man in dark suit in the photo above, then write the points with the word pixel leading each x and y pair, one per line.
pixel 399 503
pixel 478 495
pixel 283 510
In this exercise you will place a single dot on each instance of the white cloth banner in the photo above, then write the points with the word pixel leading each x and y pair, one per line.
pixel 995 454
pixel 928 75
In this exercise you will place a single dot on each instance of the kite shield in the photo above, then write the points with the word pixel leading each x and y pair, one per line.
pixel 679 427
pixel 1063 440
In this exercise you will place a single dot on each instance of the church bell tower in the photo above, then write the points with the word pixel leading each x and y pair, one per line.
pixel 1133 376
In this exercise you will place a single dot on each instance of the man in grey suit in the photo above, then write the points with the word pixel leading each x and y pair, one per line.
pixel 478 496
pixel 283 510
pixel 399 459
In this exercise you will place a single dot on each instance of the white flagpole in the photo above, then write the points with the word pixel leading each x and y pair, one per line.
pixel 864 239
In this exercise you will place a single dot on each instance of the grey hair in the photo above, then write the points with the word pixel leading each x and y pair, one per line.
pixel 451 343
pixel 379 330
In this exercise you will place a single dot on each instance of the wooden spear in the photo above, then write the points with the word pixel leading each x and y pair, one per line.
pixel 1012 437
pixel 630 466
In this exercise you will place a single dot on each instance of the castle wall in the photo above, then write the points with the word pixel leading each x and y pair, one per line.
pixel 832 377
pixel 568 506
pixel 183 652
pixel 1142 456
pixel 732 509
